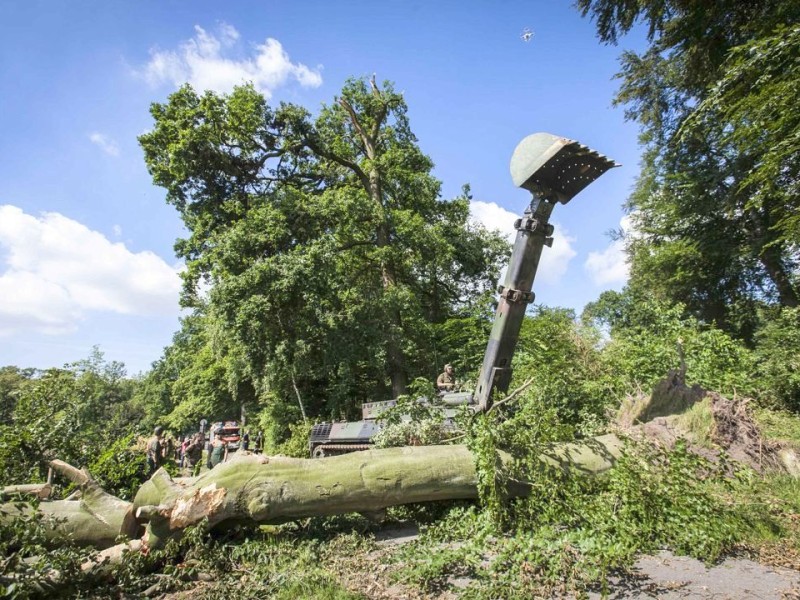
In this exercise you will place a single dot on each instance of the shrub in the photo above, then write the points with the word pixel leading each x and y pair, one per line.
pixel 778 358
pixel 121 468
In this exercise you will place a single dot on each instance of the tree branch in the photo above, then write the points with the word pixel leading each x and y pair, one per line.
pixel 75 475
pixel 384 109
pixel 338 159
pixel 368 141
pixel 512 395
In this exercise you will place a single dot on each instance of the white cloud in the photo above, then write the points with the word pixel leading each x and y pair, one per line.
pixel 117 230
pixel 611 265
pixel 554 262
pixel 206 62
pixel 58 270
pixel 105 143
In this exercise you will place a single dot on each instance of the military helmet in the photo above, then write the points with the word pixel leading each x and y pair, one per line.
pixel 158 430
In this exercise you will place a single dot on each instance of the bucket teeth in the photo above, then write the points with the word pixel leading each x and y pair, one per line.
pixel 572 168
pixel 555 167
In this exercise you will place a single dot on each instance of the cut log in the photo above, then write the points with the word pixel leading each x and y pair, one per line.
pixel 39 490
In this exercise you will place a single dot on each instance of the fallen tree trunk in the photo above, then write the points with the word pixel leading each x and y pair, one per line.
pixel 264 489
pixel 95 519
pixel 279 489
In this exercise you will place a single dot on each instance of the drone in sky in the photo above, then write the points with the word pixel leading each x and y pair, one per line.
pixel 527 34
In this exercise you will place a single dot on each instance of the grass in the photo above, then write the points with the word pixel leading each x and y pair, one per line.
pixel 779 425
pixel 699 421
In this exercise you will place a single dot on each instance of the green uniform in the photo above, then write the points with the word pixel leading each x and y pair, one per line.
pixel 154 453
pixel 217 454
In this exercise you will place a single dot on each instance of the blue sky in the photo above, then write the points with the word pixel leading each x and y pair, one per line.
pixel 86 240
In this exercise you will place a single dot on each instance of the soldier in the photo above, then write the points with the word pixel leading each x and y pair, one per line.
pixel 167 448
pixel 447 380
pixel 194 450
pixel 154 450
pixel 219 451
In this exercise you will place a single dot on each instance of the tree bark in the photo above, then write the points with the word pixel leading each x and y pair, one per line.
pixel 264 489
pixel 95 519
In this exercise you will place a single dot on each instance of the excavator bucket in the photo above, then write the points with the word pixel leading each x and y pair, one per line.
pixel 556 168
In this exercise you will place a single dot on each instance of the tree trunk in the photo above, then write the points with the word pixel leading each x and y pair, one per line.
pixel 772 260
pixel 264 489
pixel 95 519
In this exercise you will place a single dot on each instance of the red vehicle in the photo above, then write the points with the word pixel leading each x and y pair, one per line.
pixel 230 432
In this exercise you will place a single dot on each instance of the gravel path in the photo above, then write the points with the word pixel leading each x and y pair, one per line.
pixel 670 577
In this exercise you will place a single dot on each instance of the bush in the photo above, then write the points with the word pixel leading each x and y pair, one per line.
pixel 644 347
pixel 121 468
pixel 778 359
pixel 563 362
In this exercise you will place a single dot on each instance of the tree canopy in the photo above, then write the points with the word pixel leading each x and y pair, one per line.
pixel 714 207
pixel 331 263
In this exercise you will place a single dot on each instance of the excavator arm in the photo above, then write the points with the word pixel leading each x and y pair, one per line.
pixel 553 169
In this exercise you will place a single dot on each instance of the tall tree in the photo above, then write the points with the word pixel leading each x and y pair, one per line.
pixel 329 253
pixel 709 231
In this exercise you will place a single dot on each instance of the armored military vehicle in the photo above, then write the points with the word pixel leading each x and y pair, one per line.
pixel 553 169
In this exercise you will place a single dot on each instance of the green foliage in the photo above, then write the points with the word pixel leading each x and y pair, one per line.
pixel 256 563
pixel 645 334
pixel 30 559
pixel 297 443
pixel 12 380
pixel 778 358
pixel 781 425
pixel 416 419
pixel 120 468
pixel 752 109
pixel 332 261
pixel 714 211
pixel 562 361
pixel 72 414
pixel 570 534
pixel 197 378
pixel 280 421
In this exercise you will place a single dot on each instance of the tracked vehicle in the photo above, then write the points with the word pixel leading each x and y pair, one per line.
pixel 554 170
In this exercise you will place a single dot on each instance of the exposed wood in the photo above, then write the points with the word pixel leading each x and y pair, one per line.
pixel 75 475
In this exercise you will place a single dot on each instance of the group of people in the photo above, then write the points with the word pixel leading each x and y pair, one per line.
pixel 189 452
pixel 161 448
